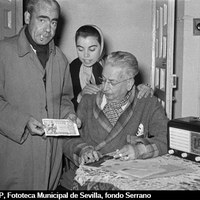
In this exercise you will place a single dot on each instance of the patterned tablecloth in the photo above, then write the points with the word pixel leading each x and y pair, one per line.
pixel 186 176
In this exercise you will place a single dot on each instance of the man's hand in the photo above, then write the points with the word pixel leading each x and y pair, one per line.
pixel 35 127
pixel 144 91
pixel 75 119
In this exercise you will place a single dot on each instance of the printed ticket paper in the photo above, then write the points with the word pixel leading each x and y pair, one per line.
pixel 60 127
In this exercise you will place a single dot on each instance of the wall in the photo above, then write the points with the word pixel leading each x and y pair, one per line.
pixel 11 17
pixel 126 24
pixel 187 63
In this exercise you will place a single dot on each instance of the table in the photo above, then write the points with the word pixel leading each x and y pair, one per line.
pixel 100 178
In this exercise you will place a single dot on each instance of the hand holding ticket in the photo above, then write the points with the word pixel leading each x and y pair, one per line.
pixel 60 127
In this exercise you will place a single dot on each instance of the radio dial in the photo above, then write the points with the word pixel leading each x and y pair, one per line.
pixel 184 155
pixel 171 151
pixel 197 158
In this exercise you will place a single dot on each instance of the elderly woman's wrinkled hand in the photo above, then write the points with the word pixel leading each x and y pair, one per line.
pixel 125 153
pixel 89 156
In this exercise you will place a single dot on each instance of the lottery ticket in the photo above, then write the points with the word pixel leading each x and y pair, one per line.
pixel 60 127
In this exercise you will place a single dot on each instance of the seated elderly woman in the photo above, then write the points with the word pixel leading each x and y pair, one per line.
pixel 114 120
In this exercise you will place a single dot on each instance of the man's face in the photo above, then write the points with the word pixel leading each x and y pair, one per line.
pixel 115 84
pixel 42 23
pixel 88 50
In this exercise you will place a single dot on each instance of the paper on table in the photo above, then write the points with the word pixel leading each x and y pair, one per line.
pixel 60 127
pixel 151 168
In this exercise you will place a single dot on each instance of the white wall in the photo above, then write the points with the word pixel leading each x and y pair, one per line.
pixel 187 60
pixel 126 24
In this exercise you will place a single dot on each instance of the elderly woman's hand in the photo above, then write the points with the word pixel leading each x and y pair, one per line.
pixel 89 156
pixel 130 151
pixel 125 153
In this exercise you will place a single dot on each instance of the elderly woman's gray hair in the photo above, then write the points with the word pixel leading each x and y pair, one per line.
pixel 124 60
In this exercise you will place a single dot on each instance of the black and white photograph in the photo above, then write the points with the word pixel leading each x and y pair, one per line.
pixel 99 98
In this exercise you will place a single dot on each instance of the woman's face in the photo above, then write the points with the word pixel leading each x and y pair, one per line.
pixel 88 50
pixel 115 86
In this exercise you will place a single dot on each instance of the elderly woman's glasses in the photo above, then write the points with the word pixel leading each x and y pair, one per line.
pixel 113 83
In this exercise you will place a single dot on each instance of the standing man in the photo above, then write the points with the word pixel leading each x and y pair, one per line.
pixel 34 84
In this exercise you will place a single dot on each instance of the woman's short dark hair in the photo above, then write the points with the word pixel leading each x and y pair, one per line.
pixel 88 30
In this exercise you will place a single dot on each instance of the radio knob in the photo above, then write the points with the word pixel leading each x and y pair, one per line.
pixel 197 158
pixel 184 155
pixel 171 151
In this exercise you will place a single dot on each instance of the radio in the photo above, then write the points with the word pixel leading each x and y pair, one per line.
pixel 184 138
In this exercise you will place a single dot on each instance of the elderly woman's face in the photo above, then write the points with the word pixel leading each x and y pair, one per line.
pixel 115 85
pixel 88 50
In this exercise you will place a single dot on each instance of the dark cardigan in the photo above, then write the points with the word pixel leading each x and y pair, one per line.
pixel 75 66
